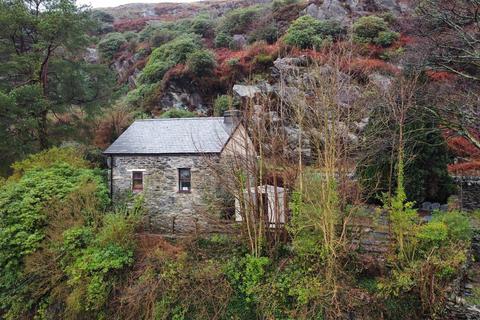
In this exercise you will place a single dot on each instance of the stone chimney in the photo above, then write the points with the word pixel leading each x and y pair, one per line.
pixel 232 116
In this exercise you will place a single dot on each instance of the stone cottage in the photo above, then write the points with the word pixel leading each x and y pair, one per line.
pixel 169 161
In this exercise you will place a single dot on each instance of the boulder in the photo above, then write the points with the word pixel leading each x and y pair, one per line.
pixel 91 55
pixel 245 91
pixel 239 41
pixel 328 9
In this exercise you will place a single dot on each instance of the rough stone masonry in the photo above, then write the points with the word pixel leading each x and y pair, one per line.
pixel 169 211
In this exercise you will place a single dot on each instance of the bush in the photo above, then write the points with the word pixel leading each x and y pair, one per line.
pixel 130 36
pixel 386 38
pixel 458 224
pixel 202 25
pixel 201 62
pixel 48 158
pixel 154 72
pixel 223 40
pixel 267 33
pixel 175 51
pixel 277 4
pixel 178 113
pixel 238 20
pixel 110 45
pixel 308 32
pixel 24 217
pixel 224 103
pixel 373 29
pixel 160 37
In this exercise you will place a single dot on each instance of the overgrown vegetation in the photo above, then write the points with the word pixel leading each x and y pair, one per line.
pixel 354 131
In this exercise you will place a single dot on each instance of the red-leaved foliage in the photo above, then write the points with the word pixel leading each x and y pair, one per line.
pixel 242 62
pixel 441 75
pixel 465 168
pixel 131 24
pixel 110 127
pixel 462 147
pixel 367 66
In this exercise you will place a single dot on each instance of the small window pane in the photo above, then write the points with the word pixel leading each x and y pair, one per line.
pixel 184 180
pixel 137 181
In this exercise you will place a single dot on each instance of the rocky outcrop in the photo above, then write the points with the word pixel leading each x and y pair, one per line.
pixel 91 55
pixel 328 9
pixel 344 10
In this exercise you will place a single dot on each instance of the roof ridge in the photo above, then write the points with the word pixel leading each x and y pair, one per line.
pixel 176 119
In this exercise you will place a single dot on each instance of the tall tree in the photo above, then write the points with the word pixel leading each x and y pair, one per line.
pixel 41 44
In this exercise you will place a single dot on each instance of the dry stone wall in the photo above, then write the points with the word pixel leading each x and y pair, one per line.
pixel 469 192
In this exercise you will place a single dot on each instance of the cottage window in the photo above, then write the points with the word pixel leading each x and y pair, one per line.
pixel 184 180
pixel 137 181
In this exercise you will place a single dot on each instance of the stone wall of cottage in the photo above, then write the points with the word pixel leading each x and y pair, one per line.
pixel 168 211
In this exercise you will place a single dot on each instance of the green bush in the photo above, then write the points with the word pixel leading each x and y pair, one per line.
pixel 369 27
pixel 458 224
pixel 141 94
pixel 386 38
pixel 154 72
pixel 223 40
pixel 110 45
pixel 308 32
pixel 201 62
pixel 130 36
pixel 178 113
pixel 223 103
pixel 373 29
pixel 238 20
pixel 175 51
pixel 267 33
pixel 160 37
pixel 23 213
pixel 202 25
pixel 277 4
pixel 246 273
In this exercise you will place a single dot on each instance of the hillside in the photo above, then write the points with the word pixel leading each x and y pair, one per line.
pixel 353 192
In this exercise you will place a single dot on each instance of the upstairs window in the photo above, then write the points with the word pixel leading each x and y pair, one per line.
pixel 137 181
pixel 184 180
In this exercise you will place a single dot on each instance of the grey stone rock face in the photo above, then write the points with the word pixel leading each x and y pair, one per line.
pixel 91 55
pixel 239 41
pixel 329 9
pixel 246 91
pixel 168 210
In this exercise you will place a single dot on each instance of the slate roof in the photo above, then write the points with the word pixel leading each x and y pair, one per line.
pixel 173 136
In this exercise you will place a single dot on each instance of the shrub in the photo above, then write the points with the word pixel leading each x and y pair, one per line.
pixel 201 62
pixel 245 274
pixel 130 36
pixel 373 29
pixel 386 38
pixel 369 27
pixel 202 25
pixel 308 32
pixel 154 72
pixel 23 205
pixel 178 113
pixel 223 40
pixel 267 33
pixel 110 45
pixel 238 20
pixel 224 103
pixel 48 158
pixel 458 224
pixel 277 4
pixel 175 51
pixel 160 37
